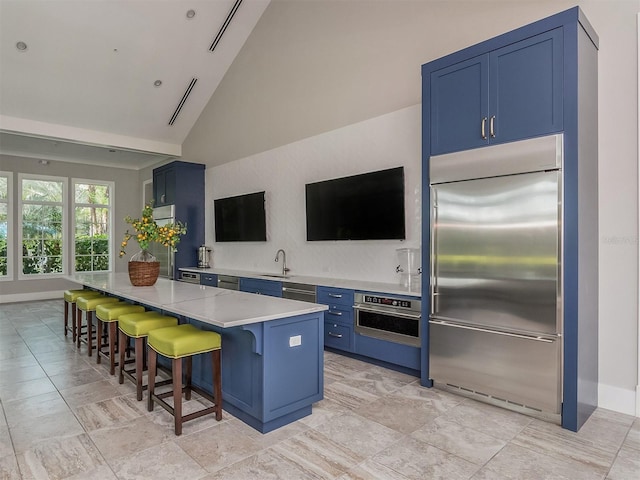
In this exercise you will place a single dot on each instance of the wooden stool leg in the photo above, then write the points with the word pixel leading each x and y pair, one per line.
pixel 79 327
pixel 112 347
pixel 217 382
pixel 66 317
pixel 152 377
pixel 122 338
pixel 177 394
pixel 139 353
pixel 187 380
pixel 73 322
pixel 99 328
pixel 90 332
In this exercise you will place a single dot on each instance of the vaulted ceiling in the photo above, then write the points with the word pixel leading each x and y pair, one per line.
pixel 114 82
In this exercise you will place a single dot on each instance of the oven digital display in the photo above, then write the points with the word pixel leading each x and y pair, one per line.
pixel 391 302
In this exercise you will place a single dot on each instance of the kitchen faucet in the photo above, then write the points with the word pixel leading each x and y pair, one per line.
pixel 284 261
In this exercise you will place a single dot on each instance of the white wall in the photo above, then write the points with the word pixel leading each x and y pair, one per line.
pixel 387 141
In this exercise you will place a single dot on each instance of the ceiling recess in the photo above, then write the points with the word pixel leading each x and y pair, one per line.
pixel 183 100
pixel 225 24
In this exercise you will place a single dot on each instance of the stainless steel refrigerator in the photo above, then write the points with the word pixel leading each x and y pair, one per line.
pixel 495 326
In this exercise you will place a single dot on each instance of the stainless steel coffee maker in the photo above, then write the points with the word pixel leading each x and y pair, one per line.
pixel 204 253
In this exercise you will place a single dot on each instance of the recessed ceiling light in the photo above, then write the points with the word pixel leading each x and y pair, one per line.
pixel 21 46
pixel 191 13
pixel 157 83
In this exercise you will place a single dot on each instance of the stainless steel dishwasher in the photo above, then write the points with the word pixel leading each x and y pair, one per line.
pixel 299 291
pixel 228 282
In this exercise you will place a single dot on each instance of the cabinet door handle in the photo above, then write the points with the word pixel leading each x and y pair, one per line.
pixel 335 335
pixel 162 196
pixel 492 132
pixel 337 314
pixel 335 295
pixel 483 128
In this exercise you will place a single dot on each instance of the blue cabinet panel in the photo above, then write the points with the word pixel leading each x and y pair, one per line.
pixel 261 287
pixel 340 314
pixel 526 88
pixel 338 325
pixel 335 296
pixel 338 336
pixel 209 279
pixel 390 352
pixel 293 345
pixel 459 103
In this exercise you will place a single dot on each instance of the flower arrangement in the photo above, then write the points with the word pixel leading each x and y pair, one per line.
pixel 146 231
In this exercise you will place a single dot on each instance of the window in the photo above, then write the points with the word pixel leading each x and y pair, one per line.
pixel 92 225
pixel 5 224
pixel 43 220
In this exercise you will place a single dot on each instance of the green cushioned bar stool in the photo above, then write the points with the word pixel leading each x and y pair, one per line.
pixel 70 297
pixel 108 313
pixel 176 343
pixel 89 305
pixel 138 326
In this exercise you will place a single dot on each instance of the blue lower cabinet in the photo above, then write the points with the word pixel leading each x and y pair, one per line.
pixel 390 352
pixel 209 279
pixel 261 287
pixel 338 336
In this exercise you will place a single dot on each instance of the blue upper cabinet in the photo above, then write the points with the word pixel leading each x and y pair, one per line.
pixel 460 100
pixel 511 93
pixel 182 184
pixel 525 88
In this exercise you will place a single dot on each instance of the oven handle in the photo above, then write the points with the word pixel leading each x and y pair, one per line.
pixel 413 316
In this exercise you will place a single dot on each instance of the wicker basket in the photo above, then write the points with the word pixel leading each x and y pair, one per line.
pixel 143 274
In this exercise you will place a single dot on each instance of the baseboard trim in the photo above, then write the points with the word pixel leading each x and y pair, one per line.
pixel 31 296
pixel 618 399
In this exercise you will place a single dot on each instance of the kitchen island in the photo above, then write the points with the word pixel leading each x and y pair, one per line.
pixel 272 348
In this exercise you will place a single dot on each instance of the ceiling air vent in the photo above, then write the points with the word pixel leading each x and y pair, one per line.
pixel 183 100
pixel 224 26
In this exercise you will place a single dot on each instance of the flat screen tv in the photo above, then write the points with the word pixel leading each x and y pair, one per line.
pixel 369 206
pixel 240 218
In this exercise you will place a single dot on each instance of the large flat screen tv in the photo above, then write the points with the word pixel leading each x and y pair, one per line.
pixel 240 218
pixel 369 206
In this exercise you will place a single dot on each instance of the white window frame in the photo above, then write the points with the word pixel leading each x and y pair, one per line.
pixel 112 196
pixel 10 226
pixel 64 249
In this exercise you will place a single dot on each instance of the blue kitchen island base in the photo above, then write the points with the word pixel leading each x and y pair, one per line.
pixel 272 372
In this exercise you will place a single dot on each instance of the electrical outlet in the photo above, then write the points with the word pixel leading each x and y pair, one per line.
pixel 295 341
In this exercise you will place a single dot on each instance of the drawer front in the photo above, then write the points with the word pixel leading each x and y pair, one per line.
pixel 338 314
pixel 208 279
pixel 261 287
pixel 335 296
pixel 338 336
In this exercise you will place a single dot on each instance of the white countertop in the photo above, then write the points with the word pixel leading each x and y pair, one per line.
pixel 360 285
pixel 216 306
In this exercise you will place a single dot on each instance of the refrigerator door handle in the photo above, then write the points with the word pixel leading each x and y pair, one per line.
pixel 432 246
pixel 537 338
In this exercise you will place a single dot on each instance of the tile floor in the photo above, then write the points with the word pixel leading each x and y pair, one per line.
pixel 63 417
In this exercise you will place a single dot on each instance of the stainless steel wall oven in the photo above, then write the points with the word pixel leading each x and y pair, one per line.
pixel 395 319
